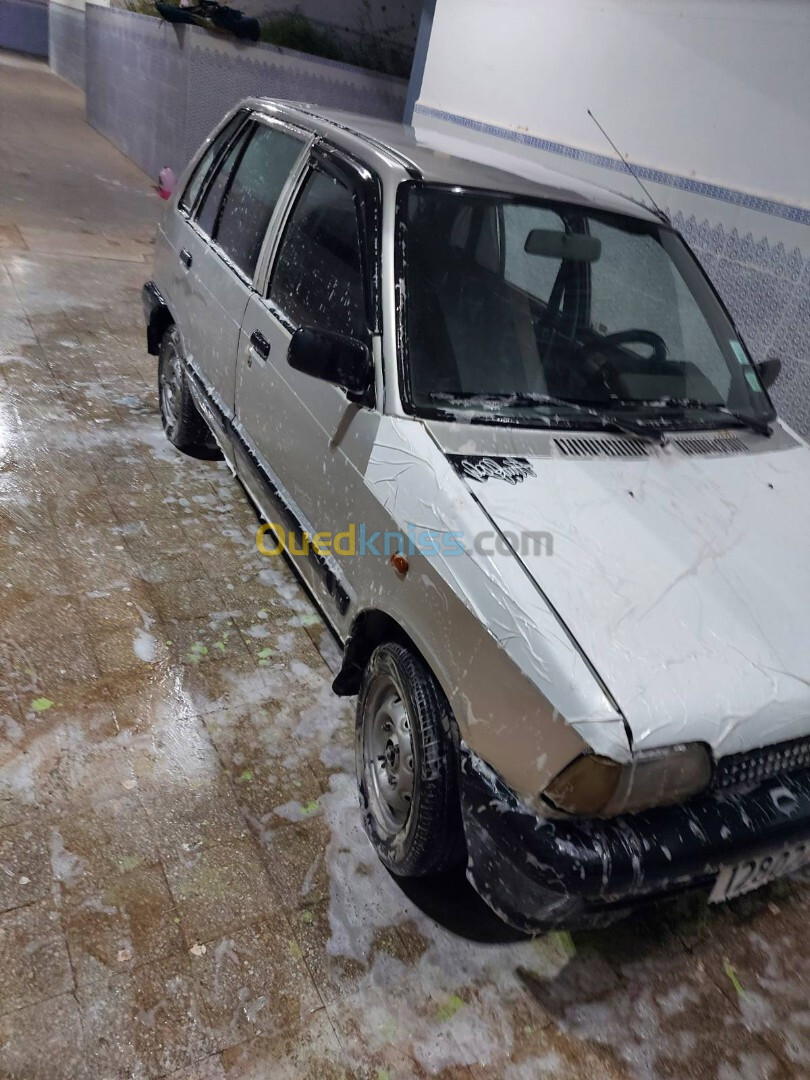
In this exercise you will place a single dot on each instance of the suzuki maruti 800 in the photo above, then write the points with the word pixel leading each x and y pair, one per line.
pixel 538 490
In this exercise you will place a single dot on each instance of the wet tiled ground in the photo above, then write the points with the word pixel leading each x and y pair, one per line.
pixel 185 889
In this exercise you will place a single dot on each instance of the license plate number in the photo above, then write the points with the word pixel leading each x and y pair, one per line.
pixel 752 873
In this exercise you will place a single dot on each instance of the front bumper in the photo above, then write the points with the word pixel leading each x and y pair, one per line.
pixel 539 874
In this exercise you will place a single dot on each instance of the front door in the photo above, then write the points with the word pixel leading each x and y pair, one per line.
pixel 310 442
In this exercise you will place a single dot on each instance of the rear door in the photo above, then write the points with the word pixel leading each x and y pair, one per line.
pixel 186 242
pixel 231 221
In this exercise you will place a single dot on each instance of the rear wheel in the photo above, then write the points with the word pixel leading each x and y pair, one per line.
pixel 406 769
pixel 184 426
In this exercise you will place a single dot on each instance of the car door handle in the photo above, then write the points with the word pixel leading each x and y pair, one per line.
pixel 260 344
pixel 185 258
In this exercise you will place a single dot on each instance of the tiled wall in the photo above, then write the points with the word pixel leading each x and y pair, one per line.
pixel 66 42
pixel 156 90
pixel 24 26
pixel 388 20
pixel 219 75
pixel 135 82
pixel 767 290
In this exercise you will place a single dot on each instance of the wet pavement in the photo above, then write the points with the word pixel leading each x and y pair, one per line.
pixel 185 888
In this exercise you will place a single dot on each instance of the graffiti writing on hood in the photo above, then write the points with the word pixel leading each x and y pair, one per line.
pixel 513 470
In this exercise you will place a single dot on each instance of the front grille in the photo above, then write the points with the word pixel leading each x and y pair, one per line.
pixel 756 765
pixel 572 446
pixel 707 444
pixel 576 446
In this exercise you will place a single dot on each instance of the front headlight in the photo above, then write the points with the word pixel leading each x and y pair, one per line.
pixel 595 786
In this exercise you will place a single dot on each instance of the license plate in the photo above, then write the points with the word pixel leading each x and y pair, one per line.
pixel 750 874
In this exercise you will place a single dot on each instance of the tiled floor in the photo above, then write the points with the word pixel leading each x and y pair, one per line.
pixel 185 889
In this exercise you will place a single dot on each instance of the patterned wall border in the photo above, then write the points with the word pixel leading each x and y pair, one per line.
pixel 773 207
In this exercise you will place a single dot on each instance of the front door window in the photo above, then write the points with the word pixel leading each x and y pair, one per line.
pixel 318 278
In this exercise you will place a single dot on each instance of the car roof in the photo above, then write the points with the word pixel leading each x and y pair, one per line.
pixel 437 157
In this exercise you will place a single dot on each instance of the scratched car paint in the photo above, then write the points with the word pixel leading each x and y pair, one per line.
pixel 374 330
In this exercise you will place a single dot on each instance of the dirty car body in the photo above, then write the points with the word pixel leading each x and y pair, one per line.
pixel 527 387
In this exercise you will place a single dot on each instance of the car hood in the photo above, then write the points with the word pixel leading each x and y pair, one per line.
pixel 684 579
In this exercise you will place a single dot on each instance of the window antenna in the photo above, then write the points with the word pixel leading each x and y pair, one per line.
pixel 631 170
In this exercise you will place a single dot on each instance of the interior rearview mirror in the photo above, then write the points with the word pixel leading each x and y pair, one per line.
pixel 573 247
pixel 769 371
pixel 335 358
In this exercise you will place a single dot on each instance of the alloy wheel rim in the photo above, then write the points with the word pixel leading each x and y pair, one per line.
pixel 388 757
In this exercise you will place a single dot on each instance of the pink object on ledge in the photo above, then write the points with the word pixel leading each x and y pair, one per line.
pixel 166 182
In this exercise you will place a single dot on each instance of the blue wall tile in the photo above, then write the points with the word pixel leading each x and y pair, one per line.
pixel 66 43
pixel 24 26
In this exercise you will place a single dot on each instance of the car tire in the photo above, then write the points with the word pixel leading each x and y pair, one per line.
pixel 182 423
pixel 406 765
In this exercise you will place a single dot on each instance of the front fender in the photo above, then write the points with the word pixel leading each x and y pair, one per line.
pixel 524 696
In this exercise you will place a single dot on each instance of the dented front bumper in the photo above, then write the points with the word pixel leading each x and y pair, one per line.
pixel 539 874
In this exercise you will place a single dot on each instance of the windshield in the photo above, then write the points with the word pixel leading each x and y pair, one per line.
pixel 533 312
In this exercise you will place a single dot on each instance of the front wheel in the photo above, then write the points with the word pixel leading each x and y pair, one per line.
pixel 406 769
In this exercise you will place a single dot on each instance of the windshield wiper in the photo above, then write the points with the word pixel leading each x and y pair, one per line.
pixel 607 420
pixel 762 427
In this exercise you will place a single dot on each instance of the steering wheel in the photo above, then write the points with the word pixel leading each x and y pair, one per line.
pixel 601 368
pixel 621 337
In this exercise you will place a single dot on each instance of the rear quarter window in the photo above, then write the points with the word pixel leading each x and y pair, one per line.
pixel 212 199
pixel 206 162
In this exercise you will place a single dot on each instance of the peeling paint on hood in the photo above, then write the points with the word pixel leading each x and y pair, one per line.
pixel 686 581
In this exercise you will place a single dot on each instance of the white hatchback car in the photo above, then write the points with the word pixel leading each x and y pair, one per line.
pixel 520 457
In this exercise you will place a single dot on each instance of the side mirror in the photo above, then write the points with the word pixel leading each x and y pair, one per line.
pixel 769 371
pixel 335 358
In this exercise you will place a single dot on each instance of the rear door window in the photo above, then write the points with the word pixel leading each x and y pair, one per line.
pixel 253 193
pixel 217 144
pixel 318 278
